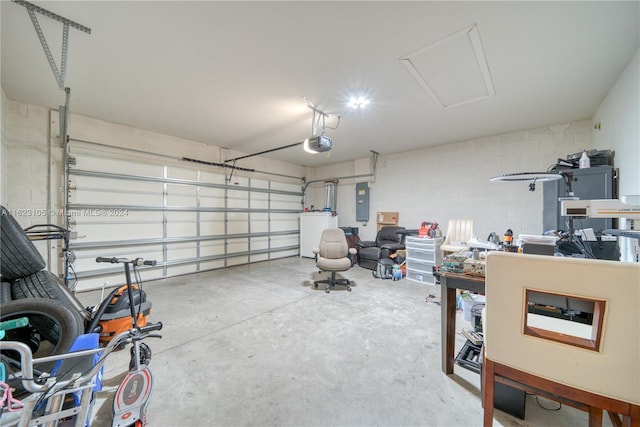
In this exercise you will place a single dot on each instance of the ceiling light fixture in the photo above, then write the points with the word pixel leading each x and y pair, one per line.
pixel 359 102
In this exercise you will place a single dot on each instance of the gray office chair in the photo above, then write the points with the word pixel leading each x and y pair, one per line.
pixel 333 255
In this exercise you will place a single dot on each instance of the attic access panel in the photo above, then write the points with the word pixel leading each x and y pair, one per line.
pixel 453 70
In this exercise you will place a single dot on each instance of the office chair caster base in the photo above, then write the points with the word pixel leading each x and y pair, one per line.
pixel 332 281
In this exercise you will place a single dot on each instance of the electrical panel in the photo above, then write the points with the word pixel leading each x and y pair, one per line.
pixel 362 201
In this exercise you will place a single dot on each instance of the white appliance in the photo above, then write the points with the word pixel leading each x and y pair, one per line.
pixel 311 226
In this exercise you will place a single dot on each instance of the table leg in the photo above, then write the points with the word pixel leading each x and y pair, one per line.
pixel 488 391
pixel 448 327
pixel 595 417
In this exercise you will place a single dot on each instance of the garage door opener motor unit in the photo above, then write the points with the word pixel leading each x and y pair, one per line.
pixel 319 143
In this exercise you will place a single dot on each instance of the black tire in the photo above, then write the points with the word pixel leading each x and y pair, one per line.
pixel 52 329
pixel 18 255
pixel 44 284
pixel 145 356
pixel 5 293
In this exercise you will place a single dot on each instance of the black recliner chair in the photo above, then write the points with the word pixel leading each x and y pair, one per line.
pixel 387 242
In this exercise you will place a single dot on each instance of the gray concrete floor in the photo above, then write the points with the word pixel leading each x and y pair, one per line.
pixel 258 345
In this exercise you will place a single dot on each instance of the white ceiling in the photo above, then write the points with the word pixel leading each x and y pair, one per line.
pixel 234 74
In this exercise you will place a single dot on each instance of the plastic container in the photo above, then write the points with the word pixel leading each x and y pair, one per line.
pixel 585 162
pixel 470 302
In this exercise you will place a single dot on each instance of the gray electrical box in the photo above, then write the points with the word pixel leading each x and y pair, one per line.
pixel 362 201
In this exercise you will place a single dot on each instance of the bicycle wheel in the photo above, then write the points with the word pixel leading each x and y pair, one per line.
pixel 51 330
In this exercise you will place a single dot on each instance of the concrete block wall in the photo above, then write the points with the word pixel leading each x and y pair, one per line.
pixel 3 138
pixel 27 168
pixel 25 171
pixel 452 181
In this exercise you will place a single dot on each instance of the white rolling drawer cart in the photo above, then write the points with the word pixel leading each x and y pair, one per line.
pixel 422 255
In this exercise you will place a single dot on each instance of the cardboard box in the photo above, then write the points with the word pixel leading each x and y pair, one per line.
pixel 386 218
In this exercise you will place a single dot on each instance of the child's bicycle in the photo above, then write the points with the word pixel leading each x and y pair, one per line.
pixel 60 389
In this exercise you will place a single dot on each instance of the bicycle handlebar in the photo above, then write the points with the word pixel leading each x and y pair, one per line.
pixel 136 261
pixel 150 327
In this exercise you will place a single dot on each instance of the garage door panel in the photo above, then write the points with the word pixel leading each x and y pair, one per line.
pixel 259 243
pixel 115 192
pixel 101 232
pixel 259 183
pixel 181 224
pixel 212 248
pixel 151 274
pixel 259 202
pixel 237 223
pixel 284 254
pixel 212 228
pixel 285 201
pixel 283 223
pixel 259 226
pixel 181 251
pixel 238 227
pixel 88 217
pixel 286 186
pixel 86 262
pixel 237 261
pixel 186 193
pixel 181 216
pixel 101 199
pixel 181 173
pixel 180 270
pixel 212 199
pixel 237 199
pixel 284 241
pixel 278 197
pixel 239 181
pixel 212 178
pixel 235 246
pixel 182 229
pixel 259 257
pixel 147 251
pixel 115 166
pixel 212 265
pixel 285 204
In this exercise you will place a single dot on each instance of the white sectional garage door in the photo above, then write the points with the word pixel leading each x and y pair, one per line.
pixel 184 215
